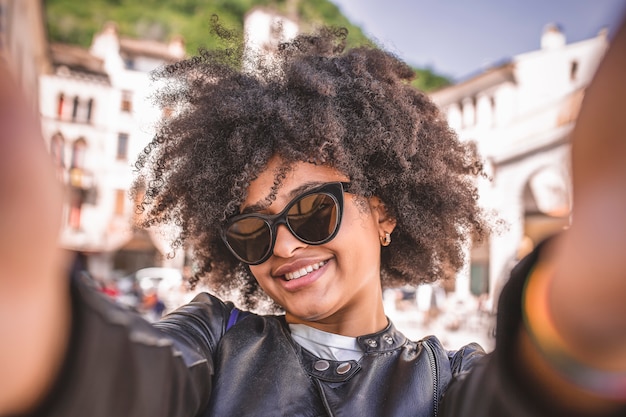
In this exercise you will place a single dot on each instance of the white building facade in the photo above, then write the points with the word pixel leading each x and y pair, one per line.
pixel 520 114
pixel 97 116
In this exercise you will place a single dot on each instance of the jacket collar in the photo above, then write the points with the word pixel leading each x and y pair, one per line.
pixel 386 340
pixel 383 341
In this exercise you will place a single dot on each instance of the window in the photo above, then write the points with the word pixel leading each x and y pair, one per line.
pixel 56 150
pixel 127 101
pixel 573 70
pixel 60 105
pixel 468 106
pixel 138 204
pixel 78 153
pixel 75 208
pixel 120 202
pixel 75 105
pixel 89 110
pixel 129 63
pixel 81 109
pixel 122 146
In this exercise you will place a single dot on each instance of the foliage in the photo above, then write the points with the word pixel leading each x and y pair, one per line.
pixel 76 22
pixel 427 80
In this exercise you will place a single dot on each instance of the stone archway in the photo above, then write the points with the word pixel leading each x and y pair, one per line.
pixel 547 202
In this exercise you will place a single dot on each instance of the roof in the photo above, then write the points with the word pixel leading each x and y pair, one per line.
pixel 491 77
pixel 76 59
pixel 169 52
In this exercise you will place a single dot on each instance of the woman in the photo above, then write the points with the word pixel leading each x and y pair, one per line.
pixel 297 175
pixel 315 179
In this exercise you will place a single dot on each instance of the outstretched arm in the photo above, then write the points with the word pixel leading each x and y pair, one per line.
pixel 561 336
pixel 64 348
pixel 34 294
pixel 586 287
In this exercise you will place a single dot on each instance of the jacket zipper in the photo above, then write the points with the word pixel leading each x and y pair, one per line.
pixel 435 373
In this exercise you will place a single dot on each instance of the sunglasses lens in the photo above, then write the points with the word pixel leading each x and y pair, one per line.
pixel 249 238
pixel 313 218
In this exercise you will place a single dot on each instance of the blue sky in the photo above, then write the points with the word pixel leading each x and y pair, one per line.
pixel 459 37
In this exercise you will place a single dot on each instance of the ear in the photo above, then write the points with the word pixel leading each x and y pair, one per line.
pixel 386 224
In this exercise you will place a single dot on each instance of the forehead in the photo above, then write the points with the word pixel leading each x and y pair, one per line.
pixel 301 175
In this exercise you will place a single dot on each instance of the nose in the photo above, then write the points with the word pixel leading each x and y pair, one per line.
pixel 286 243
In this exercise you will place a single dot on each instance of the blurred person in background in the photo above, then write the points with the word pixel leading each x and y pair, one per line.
pixel 290 181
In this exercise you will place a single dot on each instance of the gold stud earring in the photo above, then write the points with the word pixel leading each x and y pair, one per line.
pixel 385 240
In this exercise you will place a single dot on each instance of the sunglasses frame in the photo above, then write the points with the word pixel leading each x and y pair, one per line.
pixel 333 189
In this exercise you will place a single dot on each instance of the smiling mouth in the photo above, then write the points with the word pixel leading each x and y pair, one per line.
pixel 304 271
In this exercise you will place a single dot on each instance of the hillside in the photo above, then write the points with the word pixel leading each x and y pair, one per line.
pixel 75 22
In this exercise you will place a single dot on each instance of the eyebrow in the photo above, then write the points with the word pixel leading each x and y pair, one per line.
pixel 261 205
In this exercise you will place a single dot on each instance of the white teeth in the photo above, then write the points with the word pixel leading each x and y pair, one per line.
pixel 304 271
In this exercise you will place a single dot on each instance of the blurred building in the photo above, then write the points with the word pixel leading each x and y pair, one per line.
pixel 97 116
pixel 520 114
pixel 24 44
pixel 264 29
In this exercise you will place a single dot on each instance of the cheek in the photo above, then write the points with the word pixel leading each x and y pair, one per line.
pixel 261 276
pixel 257 271
pixel 359 229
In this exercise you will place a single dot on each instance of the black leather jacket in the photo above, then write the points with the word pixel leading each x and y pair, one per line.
pixel 261 371
pixel 189 365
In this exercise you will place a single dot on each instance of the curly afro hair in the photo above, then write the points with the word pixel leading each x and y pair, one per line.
pixel 313 101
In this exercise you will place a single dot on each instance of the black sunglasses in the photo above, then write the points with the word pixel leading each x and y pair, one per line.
pixel 313 217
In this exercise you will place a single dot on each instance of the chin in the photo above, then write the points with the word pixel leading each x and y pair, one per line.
pixel 307 314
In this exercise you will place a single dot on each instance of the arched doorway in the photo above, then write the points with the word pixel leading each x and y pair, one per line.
pixel 546 199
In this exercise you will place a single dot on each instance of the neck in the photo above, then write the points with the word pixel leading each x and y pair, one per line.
pixel 352 322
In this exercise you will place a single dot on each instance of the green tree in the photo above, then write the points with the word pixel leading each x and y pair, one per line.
pixel 427 80
pixel 76 22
